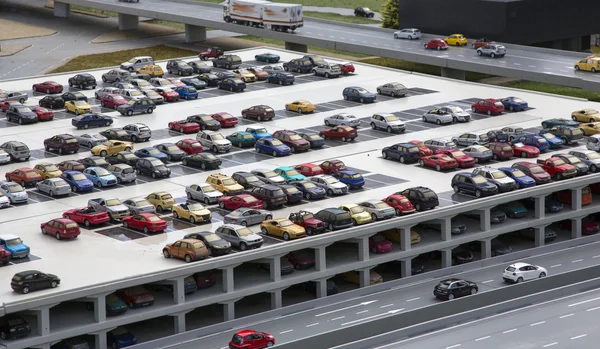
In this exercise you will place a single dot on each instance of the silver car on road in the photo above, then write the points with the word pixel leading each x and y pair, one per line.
pixel 458 113
pixel 239 236
pixel 268 176
pixel 14 191
pixel 393 89
pixel 492 50
pixel 342 119
pixel 408 33
pixel 438 116
pixel 54 187
pixel 378 209
pixel 588 157
pixel 203 192
pixel 139 205
pixel 331 185
pixel 247 216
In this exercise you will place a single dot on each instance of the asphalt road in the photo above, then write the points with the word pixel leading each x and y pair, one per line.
pixel 385 303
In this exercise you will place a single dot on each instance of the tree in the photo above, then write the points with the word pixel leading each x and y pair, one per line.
pixel 389 14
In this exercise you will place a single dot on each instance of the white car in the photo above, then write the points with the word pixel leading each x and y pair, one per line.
pixel 14 191
pixel 492 50
pixel 330 184
pixel 458 113
pixel 519 272
pixel 408 33
pixel 342 119
pixel 4 157
pixel 214 141
pixel 388 122
pixel 4 200
pixel 203 192
pixel 268 176
pixel 438 116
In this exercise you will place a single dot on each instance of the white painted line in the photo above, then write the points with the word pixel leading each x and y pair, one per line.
pixel 352 306
pixel 337 318
pixel 577 261
pixel 583 302
pixel 362 312
pixel 482 338
pixel 598 256
pixel 549 345
pixel 555 266
pixel 286 331
pixel 454 346
pixel 565 316
pixel 387 305
pixel 531 66
pixel 537 323
pixel 516 63
pixel 460 55
pixel 592 309
pixel 487 281
pixel 311 325
pixel 413 299
pixel 509 331
pixel 580 336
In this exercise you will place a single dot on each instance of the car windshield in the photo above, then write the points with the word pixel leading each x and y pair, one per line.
pixel 20 148
pixel 133 60
pixel 248 136
pixel 576 131
pixel 50 168
pixel 403 201
pixel 166 197
pixel 195 145
pixel 507 147
pixel 558 162
pixel 518 174
pixel 286 223
pixel 172 148
pixel 31 174
pixel 71 225
pixel 291 190
pixel 518 145
pixel 153 151
pixel 511 269
pixel 80 103
pixel 541 140
pixel 309 185
pixel 270 174
pixel 413 150
pixel 479 180
pixel 573 160
pixel 498 174
pixel 362 90
pixel 457 153
pixel 391 118
pixel 226 116
pixel 250 199
pixel 131 102
pixel 517 100
pixel 79 177
pixel 292 172
pixel 208 189
pixel 277 193
pixel 14 242
pixel 195 207
pixel 314 137
pixel 143 83
pixel 229 181
pixel 236 213
pixel 357 209
pixel 446 158
pixel 128 170
pixel 331 180
pixel 536 169
pixel 276 142
pixel 217 137
pixel 244 232
pixel 456 109
pixel 382 205
pixel 153 218
pixel 206 118
pixel 356 175
pixel 295 137
pixel 195 81
pixel 15 321
pixel 102 172
pixel 593 156
pixel 113 202
pixel 498 104
pixel 15 188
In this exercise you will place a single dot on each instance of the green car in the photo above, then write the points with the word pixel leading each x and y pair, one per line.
pixel 289 174
pixel 267 57
pixel 513 209
pixel 242 139
pixel 114 305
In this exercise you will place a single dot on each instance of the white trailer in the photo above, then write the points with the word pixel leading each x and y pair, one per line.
pixel 263 14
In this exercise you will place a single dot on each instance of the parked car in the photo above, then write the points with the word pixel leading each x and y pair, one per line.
pixel 488 106
pixel 77 180
pixel 86 121
pixel 203 192
pixel 522 180
pixel 184 126
pixel 392 89
pixel 331 185
pixel 586 115
pixel 100 177
pixel 534 171
pixel 272 146
pixel 228 61
pixel 335 218
pixel 553 141
pixel 33 280
pixel 481 42
pixel 479 152
pixel 421 197
pixel 52 102
pixel 21 114
pixel 116 75
pixel 179 67
pixel 62 143
pixel 48 87
pixel 140 106
pixel 83 81
pixel 214 141
pixel 152 167
pixel 438 116
pixel 239 236
pixel 301 106
pixel 281 78
pixel 203 160
pixel 497 177
pixel 439 162
pixel 53 187
pixel 259 112
pixel 60 228
pixel 124 173
pixel 205 121
pixel 232 84
pixel 355 93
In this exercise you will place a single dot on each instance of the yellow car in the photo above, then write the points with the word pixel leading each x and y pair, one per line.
pixel 78 107
pixel 590 63
pixel 586 115
pixel 354 277
pixel 193 212
pixel 283 228
pixel 301 106
pixel 590 129
pixel 153 70
pixel 161 200
pixel 394 236
pixel 111 147
pixel 224 184
pixel 47 170
pixel 456 40
pixel 245 75
pixel 358 214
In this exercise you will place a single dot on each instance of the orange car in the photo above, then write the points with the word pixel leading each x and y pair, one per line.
pixel 565 196
pixel 187 249
pixel 24 176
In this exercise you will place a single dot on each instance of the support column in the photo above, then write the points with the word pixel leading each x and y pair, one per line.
pixel 365 277
pixel 62 10
pixel 486 248
pixel 485 219
pixel 321 288
pixel 194 33
pixel 42 315
pixel 576 202
pixel 128 22
pixel 405 240
pixel 229 309
pixel 363 248
pixel 296 47
pixel 178 290
pixel 99 308
pixel 275 268
pixel 405 267
pixel 100 339
pixel 446 258
pixel 538 233
pixel 540 206
pixel 179 321
pixel 276 299
pixel 446 228
pixel 453 73
pixel 320 258
pixel 576 228
pixel 228 283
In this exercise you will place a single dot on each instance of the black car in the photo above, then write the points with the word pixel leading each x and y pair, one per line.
pixel 311 286
pixel 73 96
pixel 364 12
pixel 232 85
pixel 215 244
pixel 203 160
pixel 194 82
pixel 32 280
pixel 83 81
pixel 205 121
pixel 209 78
pixel 459 256
pixel 152 167
pixel 222 75
pixel 200 67
pixel 282 78
pixel 285 266
pixel 12 326
pixel 179 67
pixel 335 218
pixel 173 152
pixel 52 102
pixel 298 65
pixel 94 161
pixel 498 136
pixel 246 179
pixel 422 198
pixel 529 234
pixel 498 247
pixel 122 157
pixel 270 194
pixel 21 115
pixel 452 288
pixel 116 134
pixel 292 193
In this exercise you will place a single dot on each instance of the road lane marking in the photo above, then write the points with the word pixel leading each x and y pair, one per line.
pixel 482 338
pixel 413 299
pixel 565 316
pixel 583 302
pixel 555 266
pixel 517 63
pixel 577 261
pixel 531 66
pixel 487 281
pixel 337 318
pixel 454 346
pixel 580 336
pixel 362 312
pixel 286 331
pixel 350 307
pixel 311 325
pixel 373 316
pixel 549 345
pixel 387 305
pixel 598 256
pixel 592 309
pixel 537 323
pixel 509 331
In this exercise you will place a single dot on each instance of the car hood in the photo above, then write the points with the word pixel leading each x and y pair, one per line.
pixel 21 194
pixel 464 113
pixel 338 185
pixel 252 237
pixel 367 95
pixel 396 123
pixel 118 208
pixel 18 247
pixel 294 229
pixel 213 194
pixel 565 167
pixel 222 142
pixel 29 114
pixel 201 212
pixel 505 180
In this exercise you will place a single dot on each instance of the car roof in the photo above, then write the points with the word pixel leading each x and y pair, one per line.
pixel 333 210
pixel 519 265
pixel 27 272
pixel 8 236
pixel 467 174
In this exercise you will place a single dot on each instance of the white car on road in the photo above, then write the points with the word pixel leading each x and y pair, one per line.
pixel 519 272
pixel 408 33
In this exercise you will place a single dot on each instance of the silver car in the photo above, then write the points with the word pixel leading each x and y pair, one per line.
pixel 116 75
pixel 4 157
pixel 124 86
pixel 4 200
pixel 54 187
pixel 438 116
pixel 408 33
pixel 393 89
pixel 378 209
pixel 439 143
pixel 137 62
pixel 479 152
pixel 214 141
pixel 138 132
pixel 327 70
pixel 132 94
pixel 588 157
pixel 139 205
pixel 247 216
pixel 203 192
pixel 513 132
pixel 13 96
pixel 388 122
pixel 14 191
pixel 331 185
pixel 18 151
pixel 342 119
pixel 471 139
pixel 497 177
pixel 268 176
pixel 106 91
pixel 492 50
pixel 161 82
pixel 458 113
pixel 124 173
pixel 91 140
pixel 239 236
pixel 154 96
pixel 141 84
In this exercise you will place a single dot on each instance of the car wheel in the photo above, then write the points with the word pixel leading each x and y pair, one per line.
pixel 438 122
pixel 424 119
pixel 362 100
pixel 51 193
pixel 456 189
pixel 153 175
pixel 286 236
pixel 519 280
pixel 329 192
pixel 146 230
pixel 53 284
pixel 473 291
pixel 344 139
pixel 389 129
pixel 523 154
pixel 473 109
pixel 327 123
pixel 421 163
pixel 307 196
pixel 25 289
pixel 99 184
pixel 330 227
pixel 103 153
pixel 188 258
pixel 478 193
pixel 384 155
pixel 22 183
pixel 81 87
pixel 593 168
pixel 129 112
pixel 346 97
pixel 166 253
pixel 450 296
pixel 438 167
pixel 214 149
pixel 243 246
pixel 489 112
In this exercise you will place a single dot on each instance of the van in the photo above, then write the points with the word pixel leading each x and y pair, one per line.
pixel 565 196
pixel 590 63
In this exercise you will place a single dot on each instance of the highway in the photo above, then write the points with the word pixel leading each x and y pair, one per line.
pixel 400 299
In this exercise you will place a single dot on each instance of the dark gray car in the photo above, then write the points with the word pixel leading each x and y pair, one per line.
pixel 393 89
pixel 239 236
pixel 205 121
pixel 116 75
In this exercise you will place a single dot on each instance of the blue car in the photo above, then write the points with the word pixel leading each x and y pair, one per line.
pixel 78 181
pixel 100 176
pixel 553 141
pixel 91 120
pixel 523 180
pixel 150 152
pixel 553 206
pixel 403 152
pixel 533 140
pixel 120 338
pixel 355 93
pixel 559 122
pixel 514 103
pixel 351 178
pixel 14 245
pixel 258 132
pixel 282 78
pixel 310 190
pixel 289 173
pixel 272 146
pixel 187 92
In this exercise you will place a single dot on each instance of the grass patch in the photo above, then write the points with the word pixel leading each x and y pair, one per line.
pixel 339 18
pixel 101 60
pixel 93 10
pixel 555 89
pixel 281 43
pixel 417 67
pixel 374 5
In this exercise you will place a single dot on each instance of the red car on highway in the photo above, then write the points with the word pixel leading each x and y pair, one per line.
pixel 225 119
pixel 341 132
pixel 48 87
pixel 190 146
pixel 439 162
pixel 86 216
pixel 24 176
pixel 44 114
pixel 250 339
pixel 463 159
pixel 379 244
pixel 148 222
pixel 423 150
pixel 241 200
pixel 488 106
pixel 184 126
pixel 60 228
pixel 112 100
pixel 400 203
pixel 332 166
pixel 436 44
pixel 308 169
pixel 521 150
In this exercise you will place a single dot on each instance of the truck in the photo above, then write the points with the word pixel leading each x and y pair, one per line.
pixel 212 52
pixel 111 205
pixel 308 221
pixel 263 14
pixel 557 168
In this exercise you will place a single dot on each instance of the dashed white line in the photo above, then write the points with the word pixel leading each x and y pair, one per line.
pixel 549 345
pixel 509 331
pixel 331 36
pixel 482 338
pixel 555 266
pixel 598 256
pixel 387 305
pixel 454 346
pixel 577 261
pixel 311 325
pixel 531 66
pixel 580 336
pixel 338 318
pixel 565 316
pixel 286 331
pixel 592 309
pixel 362 312
pixel 537 323
pixel 517 63
pixel 413 299
pixel 460 55
pixel 487 281
pixel 563 71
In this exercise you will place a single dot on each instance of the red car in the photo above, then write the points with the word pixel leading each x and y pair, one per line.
pixel 136 297
pixel 400 203
pixel 341 132
pixel 5 256
pixel 5 104
pixel 44 114
pixel 488 106
pixel 250 339
pixel 168 94
pixel 501 150
pixel 463 159
pixel 148 222
pixel 205 279
pixel 112 100
pixel 241 200
pixel 346 68
pixel 184 126
pixel 587 228
pixel 423 150
pixel 439 162
pixel 309 169
pixel 301 259
pixel 308 221
pixel 48 87
pixel 525 151
pixel 225 119
pixel 332 166
pixel 176 82
pixel 534 171
pixel 379 244
pixel 482 42
pixel 24 176
pixel 61 228
pixel 87 216
pixel 190 146
pixel 436 44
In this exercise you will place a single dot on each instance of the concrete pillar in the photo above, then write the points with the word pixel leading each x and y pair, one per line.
pixel 538 233
pixel 576 203
pixel 486 248
pixel 320 258
pixel 321 288
pixel 229 310
pixel 365 277
pixel 576 228
pixel 128 22
pixel 100 339
pixel 296 47
pixel 540 206
pixel 405 241
pixel 179 321
pixel 446 258
pixel 228 283
pixel 276 299
pixel 485 219
pixel 99 308
pixel 62 10
pixel 178 290
pixel 275 268
pixel 453 73
pixel 363 248
pixel 405 267
pixel 446 228
pixel 194 33
pixel 42 315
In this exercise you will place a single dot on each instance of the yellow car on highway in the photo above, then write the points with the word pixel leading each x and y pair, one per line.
pixel 301 106
pixel 245 75
pixel 224 184
pixel 586 115
pixel 161 200
pixel 282 227
pixel 153 70
pixel 357 213
pixel 394 236
pixel 456 40
pixel 193 212
pixel 590 129
pixel 111 147
pixel 47 170
pixel 590 63
pixel 78 107
pixel 353 277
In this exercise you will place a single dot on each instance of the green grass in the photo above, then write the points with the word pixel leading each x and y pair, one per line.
pixel 374 5
pixel 417 67
pixel 595 49
pixel 110 59
pixel 93 10
pixel 555 89
pixel 282 43
pixel 339 18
